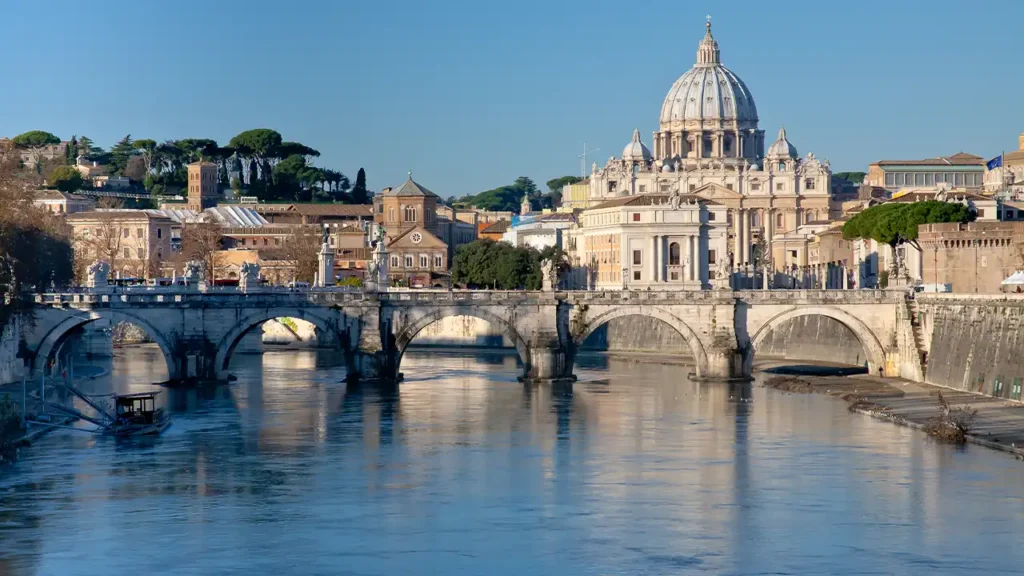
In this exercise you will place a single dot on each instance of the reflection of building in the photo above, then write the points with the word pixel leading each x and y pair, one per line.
pixel 133 242
pixel 650 241
pixel 960 170
pixel 973 257
pixel 59 202
pixel 709 144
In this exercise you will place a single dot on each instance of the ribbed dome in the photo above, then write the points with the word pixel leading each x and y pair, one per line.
pixel 708 91
pixel 635 150
pixel 782 148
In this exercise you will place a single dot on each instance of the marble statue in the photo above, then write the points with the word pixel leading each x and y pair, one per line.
pixel 98 272
pixel 250 271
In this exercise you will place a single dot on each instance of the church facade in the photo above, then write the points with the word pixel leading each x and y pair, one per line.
pixel 709 146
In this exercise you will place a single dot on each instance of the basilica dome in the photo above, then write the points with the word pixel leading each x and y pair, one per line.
pixel 709 92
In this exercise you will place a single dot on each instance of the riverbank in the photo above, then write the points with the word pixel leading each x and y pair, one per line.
pixel 999 424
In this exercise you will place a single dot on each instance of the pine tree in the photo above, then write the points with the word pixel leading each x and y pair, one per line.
pixel 359 192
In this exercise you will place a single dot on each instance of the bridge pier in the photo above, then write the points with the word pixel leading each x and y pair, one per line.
pixel 547 360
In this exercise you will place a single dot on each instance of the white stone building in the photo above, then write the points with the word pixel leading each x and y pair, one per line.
pixel 709 145
pixel 650 241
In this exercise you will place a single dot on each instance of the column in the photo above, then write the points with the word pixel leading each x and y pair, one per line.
pixel 737 240
pixel 769 231
pixel 653 277
pixel 693 256
pixel 746 236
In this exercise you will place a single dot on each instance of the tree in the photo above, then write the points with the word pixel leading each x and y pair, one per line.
pixel 853 177
pixel 146 150
pixel 895 223
pixel 359 194
pixel 34 142
pixel 35 246
pixel 287 149
pixel 66 179
pixel 135 170
pixel 196 149
pixel 301 248
pixel 236 188
pixel 87 150
pixel 259 145
pixel 489 264
pixel 287 176
pixel 120 153
pixel 200 241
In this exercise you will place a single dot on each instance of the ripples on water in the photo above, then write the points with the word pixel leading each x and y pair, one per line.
pixel 462 470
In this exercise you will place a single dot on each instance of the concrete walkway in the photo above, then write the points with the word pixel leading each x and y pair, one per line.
pixel 999 424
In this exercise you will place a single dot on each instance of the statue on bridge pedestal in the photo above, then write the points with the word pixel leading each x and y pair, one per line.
pixel 377 267
pixel 193 272
pixel 722 273
pixel 548 275
pixel 249 279
pixel 98 274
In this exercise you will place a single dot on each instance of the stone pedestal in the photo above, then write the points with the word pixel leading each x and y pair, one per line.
pixel 548 360
pixel 325 269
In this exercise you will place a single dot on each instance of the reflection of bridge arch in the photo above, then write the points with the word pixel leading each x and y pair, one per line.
pixel 408 333
pixel 227 344
pixel 872 346
pixel 56 335
pixel 692 340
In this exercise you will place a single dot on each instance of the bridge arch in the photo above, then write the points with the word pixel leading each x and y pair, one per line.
pixel 56 335
pixel 872 346
pixel 682 328
pixel 409 332
pixel 227 344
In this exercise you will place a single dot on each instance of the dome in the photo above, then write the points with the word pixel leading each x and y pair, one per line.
pixel 781 147
pixel 635 150
pixel 709 91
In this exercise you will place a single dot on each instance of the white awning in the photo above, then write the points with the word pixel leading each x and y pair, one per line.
pixel 1015 279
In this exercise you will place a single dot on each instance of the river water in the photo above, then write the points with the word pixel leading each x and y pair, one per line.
pixel 463 470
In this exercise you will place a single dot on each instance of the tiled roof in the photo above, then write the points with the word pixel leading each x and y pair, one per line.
pixel 355 210
pixel 57 195
pixel 499 227
pixel 410 188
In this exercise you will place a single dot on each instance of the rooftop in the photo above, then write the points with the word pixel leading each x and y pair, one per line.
pixel 958 159
pixel 650 200
pixel 410 188
pixel 499 227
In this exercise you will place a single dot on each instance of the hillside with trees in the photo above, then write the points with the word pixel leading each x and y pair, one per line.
pixel 509 198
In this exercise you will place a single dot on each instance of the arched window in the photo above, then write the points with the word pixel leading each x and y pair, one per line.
pixel 778 220
pixel 410 213
pixel 809 217
pixel 755 220
pixel 782 166
pixel 673 254
pixel 391 214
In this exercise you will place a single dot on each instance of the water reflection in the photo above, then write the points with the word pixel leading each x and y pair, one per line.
pixel 462 469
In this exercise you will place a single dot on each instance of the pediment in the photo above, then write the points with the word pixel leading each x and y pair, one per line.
pixel 406 240
pixel 716 192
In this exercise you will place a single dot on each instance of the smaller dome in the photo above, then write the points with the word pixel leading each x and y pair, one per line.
pixel 781 148
pixel 635 150
pixel 666 167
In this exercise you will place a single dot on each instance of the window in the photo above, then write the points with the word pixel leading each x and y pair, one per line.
pixel 159 232
pixel 127 252
pixel 918 179
pixel 692 187
pixel 437 261
pixel 728 186
pixel 782 166
pixel 711 216
pixel 636 275
pixel 792 253
pixel 394 261
pixel 712 257
pixel 380 208
pixel 408 261
pixel 981 212
pixel 423 260
pixel 266 241
pixel 707 147
pixel 809 184
pixel 673 254
pixel 809 217
pixel 997 386
pixel 636 217
pixel 1015 390
pixel 899 179
pixel 643 188
pixel 890 179
pixel 779 187
pixel 277 241
pixel 929 179
pixel 778 220
pixel 674 275
pixel 755 186
pixel 142 252
pixel 637 257
pixel 1010 215
pixel 391 214
pixel 410 213
pixel 124 232
pixel 959 180
pixel 727 145
pixel 138 232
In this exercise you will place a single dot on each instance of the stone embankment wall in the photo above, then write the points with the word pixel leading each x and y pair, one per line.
pixel 974 343
pixel 11 366
pixel 812 337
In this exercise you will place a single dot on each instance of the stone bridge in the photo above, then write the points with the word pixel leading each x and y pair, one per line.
pixel 198 331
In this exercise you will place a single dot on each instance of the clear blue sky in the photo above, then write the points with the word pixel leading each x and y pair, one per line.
pixel 468 94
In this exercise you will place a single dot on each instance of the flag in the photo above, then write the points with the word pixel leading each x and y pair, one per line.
pixel 994 163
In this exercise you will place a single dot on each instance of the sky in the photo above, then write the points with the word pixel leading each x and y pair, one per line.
pixel 468 95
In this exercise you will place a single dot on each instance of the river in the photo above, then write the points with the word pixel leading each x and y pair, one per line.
pixel 463 470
